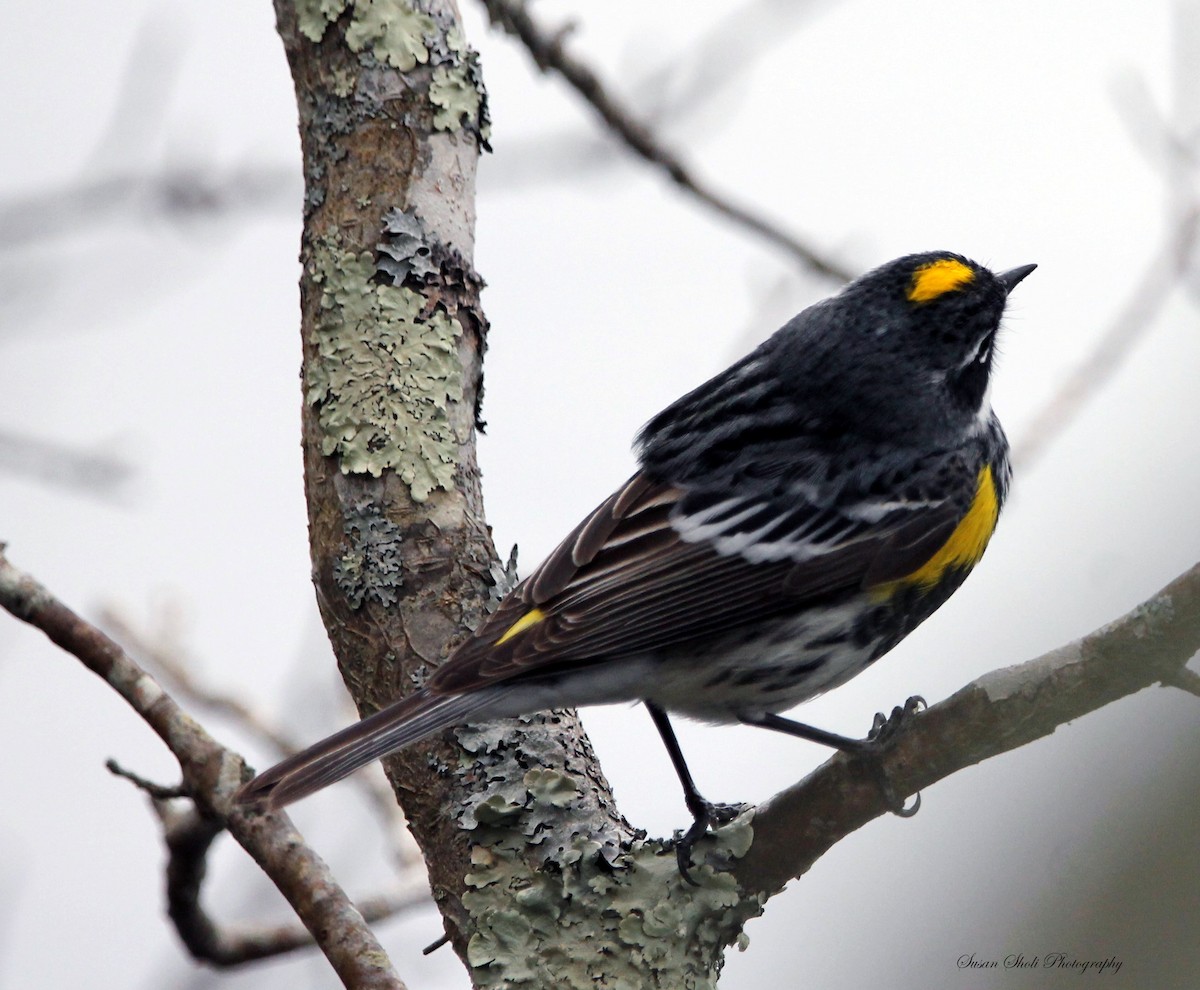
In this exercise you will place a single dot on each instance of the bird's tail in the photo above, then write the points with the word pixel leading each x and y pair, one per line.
pixel 377 735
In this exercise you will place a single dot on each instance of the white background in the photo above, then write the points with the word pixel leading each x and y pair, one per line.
pixel 873 129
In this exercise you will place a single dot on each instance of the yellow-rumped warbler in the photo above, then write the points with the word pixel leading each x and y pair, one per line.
pixel 792 520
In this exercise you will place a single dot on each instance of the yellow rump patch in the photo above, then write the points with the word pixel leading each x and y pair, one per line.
pixel 966 543
pixel 937 278
pixel 530 618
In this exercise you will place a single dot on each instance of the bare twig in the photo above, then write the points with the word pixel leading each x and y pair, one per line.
pixel 211 773
pixel 158 792
pixel 1170 143
pixel 995 714
pixel 729 49
pixel 189 835
pixel 170 660
pixel 548 52
pixel 230 947
pixel 1185 680
pixel 1131 323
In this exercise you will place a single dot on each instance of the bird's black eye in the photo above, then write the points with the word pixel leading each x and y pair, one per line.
pixel 935 279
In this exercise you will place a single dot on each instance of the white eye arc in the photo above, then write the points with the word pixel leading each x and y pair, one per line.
pixel 980 351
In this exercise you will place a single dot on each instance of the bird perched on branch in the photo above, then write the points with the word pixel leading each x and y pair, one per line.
pixel 792 519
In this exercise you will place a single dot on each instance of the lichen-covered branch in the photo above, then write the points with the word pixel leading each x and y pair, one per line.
pixel 211 773
pixel 994 714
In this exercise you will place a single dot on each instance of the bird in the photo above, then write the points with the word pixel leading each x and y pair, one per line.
pixel 790 521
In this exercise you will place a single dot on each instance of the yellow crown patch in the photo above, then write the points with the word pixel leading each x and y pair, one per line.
pixel 937 278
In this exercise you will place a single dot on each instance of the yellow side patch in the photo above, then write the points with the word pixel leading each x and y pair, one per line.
pixel 530 618
pixel 967 542
pixel 937 278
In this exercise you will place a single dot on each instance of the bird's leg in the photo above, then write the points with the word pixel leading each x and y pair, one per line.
pixel 883 730
pixel 704 812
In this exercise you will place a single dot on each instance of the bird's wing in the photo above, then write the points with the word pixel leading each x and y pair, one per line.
pixel 654 566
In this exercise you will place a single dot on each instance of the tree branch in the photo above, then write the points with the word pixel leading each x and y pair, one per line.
pixel 211 773
pixel 74 468
pixel 189 835
pixel 169 660
pixel 994 714
pixel 548 53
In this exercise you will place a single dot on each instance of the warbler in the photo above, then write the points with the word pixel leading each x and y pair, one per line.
pixel 792 519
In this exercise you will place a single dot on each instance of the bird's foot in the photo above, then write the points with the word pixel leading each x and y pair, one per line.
pixel 884 729
pixel 705 815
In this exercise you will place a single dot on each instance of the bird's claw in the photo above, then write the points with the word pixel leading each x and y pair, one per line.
pixel 885 727
pixel 706 815
pixel 883 730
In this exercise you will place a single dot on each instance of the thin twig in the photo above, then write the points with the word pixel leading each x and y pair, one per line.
pixel 158 792
pixel 189 835
pixel 730 48
pixel 176 193
pixel 211 774
pixel 170 660
pixel 97 474
pixel 548 52
pixel 1185 680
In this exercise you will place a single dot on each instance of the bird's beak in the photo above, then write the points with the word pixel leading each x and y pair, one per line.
pixel 1010 279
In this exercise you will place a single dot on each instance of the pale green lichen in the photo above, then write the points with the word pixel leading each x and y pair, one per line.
pixel 550 787
pixel 384 374
pixel 343 81
pixel 457 89
pixel 554 900
pixel 314 16
pixel 456 41
pixel 585 923
pixel 399 35
pixel 455 95
pixel 395 32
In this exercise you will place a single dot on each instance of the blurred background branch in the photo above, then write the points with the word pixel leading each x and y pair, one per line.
pixel 548 51
pixel 163 653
